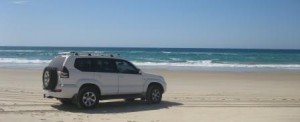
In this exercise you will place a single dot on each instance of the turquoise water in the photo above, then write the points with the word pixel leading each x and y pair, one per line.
pixel 168 58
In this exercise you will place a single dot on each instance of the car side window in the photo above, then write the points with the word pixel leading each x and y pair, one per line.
pixel 84 64
pixel 105 65
pixel 126 67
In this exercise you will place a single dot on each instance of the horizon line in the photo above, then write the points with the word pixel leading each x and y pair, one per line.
pixel 156 47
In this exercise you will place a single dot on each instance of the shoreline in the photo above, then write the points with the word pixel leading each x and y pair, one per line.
pixel 185 69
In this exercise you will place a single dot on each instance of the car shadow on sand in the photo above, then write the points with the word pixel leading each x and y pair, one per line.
pixel 118 107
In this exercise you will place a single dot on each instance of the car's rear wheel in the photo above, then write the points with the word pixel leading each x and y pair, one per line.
pixel 50 78
pixel 154 94
pixel 88 98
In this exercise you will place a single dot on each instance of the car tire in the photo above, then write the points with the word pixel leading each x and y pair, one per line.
pixel 50 78
pixel 154 94
pixel 88 98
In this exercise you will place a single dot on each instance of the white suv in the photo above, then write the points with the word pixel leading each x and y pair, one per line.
pixel 85 79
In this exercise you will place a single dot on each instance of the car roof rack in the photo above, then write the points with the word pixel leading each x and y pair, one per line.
pixel 88 54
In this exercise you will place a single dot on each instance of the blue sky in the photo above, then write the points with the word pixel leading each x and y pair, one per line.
pixel 151 23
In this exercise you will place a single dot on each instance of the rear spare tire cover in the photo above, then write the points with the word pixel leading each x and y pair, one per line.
pixel 50 78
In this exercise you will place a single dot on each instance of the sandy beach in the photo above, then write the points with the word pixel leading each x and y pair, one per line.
pixel 192 96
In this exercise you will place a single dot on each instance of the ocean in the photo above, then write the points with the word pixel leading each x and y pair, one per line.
pixel 207 59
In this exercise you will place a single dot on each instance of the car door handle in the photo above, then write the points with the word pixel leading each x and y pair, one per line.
pixel 121 76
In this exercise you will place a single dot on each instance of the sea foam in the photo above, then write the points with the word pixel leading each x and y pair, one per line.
pixel 208 63
pixel 23 61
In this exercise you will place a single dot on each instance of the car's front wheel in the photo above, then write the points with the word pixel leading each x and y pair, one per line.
pixel 154 94
pixel 88 98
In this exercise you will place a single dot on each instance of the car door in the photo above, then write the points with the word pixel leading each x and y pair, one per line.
pixel 130 80
pixel 106 74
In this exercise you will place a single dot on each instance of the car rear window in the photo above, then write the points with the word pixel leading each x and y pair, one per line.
pixel 84 64
pixel 57 62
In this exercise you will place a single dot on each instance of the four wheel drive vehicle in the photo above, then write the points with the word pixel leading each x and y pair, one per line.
pixel 86 79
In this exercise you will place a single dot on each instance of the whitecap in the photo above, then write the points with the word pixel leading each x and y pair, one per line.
pixel 23 61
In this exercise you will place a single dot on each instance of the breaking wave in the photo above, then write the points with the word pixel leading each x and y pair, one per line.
pixel 23 61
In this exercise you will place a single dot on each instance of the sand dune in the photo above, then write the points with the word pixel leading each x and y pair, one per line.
pixel 191 96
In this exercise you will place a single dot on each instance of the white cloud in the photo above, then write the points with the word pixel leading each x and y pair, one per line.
pixel 20 2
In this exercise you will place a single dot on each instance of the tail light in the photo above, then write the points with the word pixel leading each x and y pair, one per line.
pixel 64 73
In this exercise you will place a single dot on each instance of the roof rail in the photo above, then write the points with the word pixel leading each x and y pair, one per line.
pixel 88 54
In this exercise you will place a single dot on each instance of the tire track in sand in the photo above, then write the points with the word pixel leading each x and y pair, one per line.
pixel 22 101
